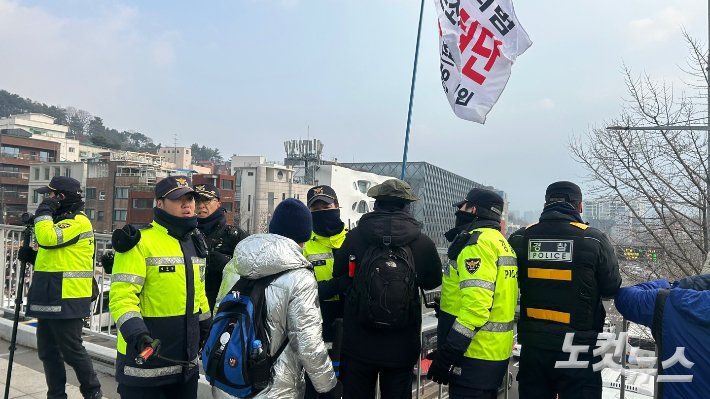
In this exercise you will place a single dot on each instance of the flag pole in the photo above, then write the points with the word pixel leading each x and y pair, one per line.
pixel 411 93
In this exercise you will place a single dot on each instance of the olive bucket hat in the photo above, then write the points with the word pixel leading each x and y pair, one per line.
pixel 393 190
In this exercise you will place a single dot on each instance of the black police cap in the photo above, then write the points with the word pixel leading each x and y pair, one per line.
pixel 563 190
pixel 206 190
pixel 172 187
pixel 61 183
pixel 485 199
pixel 321 193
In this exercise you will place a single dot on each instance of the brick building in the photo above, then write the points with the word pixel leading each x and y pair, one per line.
pixel 119 183
pixel 17 150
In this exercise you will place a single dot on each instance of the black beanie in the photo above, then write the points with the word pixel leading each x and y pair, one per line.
pixel 293 220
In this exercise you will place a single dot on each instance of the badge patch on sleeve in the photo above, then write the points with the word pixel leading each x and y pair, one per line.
pixel 472 265
pixel 550 250
pixel 63 225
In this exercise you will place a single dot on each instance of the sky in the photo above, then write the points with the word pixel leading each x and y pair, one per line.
pixel 247 75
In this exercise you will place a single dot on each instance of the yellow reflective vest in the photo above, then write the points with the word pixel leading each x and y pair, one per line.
pixel 319 251
pixel 64 269
pixel 478 298
pixel 157 287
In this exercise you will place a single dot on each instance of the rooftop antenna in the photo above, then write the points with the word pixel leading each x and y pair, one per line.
pixel 175 149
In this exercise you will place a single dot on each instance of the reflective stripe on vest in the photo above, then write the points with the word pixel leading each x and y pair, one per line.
pixel 127 278
pixel 125 317
pixel 544 314
pixel 48 309
pixel 322 256
pixel 78 274
pixel 550 274
pixel 486 285
pixel 156 372
pixel 164 260
pixel 205 316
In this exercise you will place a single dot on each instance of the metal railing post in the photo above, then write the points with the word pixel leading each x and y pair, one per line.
pixel 507 380
pixel 622 389
pixel 421 343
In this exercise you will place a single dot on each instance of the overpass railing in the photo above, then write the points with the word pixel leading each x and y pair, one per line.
pixel 99 322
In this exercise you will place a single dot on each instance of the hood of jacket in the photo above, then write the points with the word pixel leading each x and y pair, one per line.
pixel 404 228
pixel 691 297
pixel 262 255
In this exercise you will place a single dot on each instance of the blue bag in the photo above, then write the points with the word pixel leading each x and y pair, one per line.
pixel 240 320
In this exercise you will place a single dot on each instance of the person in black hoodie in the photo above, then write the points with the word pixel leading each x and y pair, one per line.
pixel 390 353
pixel 221 237
pixel 565 269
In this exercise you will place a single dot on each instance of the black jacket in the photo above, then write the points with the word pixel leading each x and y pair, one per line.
pixel 564 269
pixel 221 241
pixel 390 348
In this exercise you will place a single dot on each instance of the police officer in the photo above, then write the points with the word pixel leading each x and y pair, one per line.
pixel 221 237
pixel 327 237
pixel 566 267
pixel 478 297
pixel 158 293
pixel 60 294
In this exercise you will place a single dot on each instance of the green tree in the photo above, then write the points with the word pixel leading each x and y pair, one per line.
pixel 96 127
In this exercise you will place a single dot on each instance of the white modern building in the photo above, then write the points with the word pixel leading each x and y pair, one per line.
pixel 43 127
pixel 180 156
pixel 351 187
pixel 262 185
pixel 42 173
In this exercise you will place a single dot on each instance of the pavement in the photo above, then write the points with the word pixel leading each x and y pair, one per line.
pixel 28 376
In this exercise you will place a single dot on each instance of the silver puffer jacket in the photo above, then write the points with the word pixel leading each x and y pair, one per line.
pixel 292 305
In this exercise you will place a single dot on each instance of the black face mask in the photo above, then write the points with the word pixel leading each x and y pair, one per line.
pixel 207 224
pixel 463 220
pixel 327 223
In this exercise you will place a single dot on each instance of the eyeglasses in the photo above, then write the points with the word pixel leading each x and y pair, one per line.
pixel 204 200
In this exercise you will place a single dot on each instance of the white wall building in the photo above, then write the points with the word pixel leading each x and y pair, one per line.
pixel 180 156
pixel 43 127
pixel 351 187
pixel 42 173
pixel 262 185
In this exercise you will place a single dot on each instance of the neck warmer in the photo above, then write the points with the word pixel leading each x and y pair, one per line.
pixel 209 224
pixel 564 208
pixel 391 206
pixel 71 203
pixel 463 220
pixel 178 227
pixel 327 223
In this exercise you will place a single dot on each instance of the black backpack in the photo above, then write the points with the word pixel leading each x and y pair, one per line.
pixel 384 290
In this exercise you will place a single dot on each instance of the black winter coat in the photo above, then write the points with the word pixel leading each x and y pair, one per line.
pixel 388 348
pixel 221 242
pixel 591 273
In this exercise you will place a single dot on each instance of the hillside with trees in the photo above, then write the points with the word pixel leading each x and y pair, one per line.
pixel 89 128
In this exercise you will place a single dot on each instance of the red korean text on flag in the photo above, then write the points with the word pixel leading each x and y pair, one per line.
pixel 478 42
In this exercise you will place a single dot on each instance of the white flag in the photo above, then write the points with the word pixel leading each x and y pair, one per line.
pixel 478 42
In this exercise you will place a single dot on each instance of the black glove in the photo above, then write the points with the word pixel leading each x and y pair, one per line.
pixel 143 341
pixel 48 207
pixel 335 393
pixel 107 262
pixel 437 306
pixel 27 254
pixel 443 361
pixel 126 238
